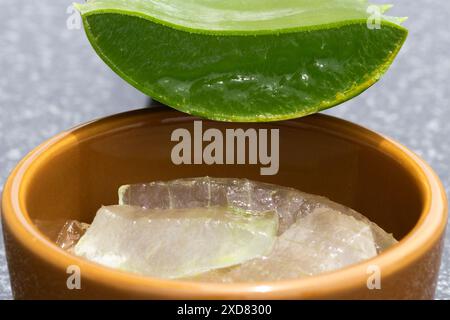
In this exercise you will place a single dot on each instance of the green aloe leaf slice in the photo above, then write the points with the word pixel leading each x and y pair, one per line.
pixel 254 60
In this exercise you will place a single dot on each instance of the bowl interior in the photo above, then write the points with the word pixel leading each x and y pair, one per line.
pixel 318 154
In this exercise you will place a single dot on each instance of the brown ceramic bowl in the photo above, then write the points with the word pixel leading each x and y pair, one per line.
pixel 73 174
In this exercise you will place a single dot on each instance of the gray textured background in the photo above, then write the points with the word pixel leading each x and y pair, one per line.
pixel 51 80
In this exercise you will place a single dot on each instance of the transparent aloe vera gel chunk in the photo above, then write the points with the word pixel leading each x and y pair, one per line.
pixel 70 234
pixel 176 243
pixel 290 204
pixel 253 60
pixel 224 230
pixel 321 241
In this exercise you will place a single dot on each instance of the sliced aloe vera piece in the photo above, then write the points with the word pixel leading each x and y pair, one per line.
pixel 254 60
pixel 240 194
pixel 324 240
pixel 176 243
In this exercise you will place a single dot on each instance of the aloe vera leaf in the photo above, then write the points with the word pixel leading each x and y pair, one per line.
pixel 244 60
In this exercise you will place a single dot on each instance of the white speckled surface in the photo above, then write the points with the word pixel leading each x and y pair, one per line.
pixel 52 80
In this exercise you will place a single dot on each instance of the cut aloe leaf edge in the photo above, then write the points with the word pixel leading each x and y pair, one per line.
pixel 248 66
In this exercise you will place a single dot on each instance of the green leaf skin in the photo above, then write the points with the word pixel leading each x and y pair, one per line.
pixel 255 60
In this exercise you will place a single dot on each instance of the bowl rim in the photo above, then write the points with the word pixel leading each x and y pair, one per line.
pixel 416 243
